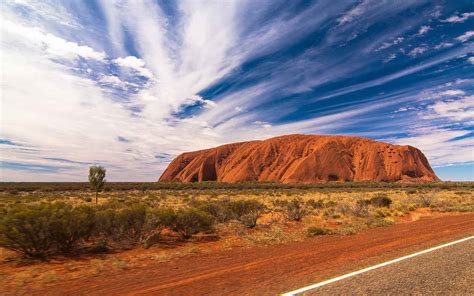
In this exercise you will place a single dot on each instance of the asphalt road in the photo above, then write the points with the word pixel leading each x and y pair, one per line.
pixel 447 271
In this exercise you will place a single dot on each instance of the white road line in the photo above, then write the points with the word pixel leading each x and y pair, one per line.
pixel 314 286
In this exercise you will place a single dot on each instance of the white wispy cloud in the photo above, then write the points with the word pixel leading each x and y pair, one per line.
pixel 423 30
pixel 391 43
pixel 466 36
pixel 452 92
pixel 358 10
pixel 417 51
pixel 87 91
pixel 135 64
pixel 49 10
pixel 439 143
pixel 443 45
pixel 390 57
pixel 433 132
pixel 115 81
pixel 50 44
pixel 459 18
pixel 461 110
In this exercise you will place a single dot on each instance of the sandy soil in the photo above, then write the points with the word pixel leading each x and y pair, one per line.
pixel 271 269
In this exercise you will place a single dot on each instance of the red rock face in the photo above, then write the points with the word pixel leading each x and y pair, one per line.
pixel 303 159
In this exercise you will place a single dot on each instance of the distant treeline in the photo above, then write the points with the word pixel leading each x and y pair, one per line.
pixel 144 186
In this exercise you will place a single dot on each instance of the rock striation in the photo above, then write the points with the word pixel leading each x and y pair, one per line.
pixel 303 159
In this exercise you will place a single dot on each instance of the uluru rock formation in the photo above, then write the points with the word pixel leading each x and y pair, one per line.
pixel 303 159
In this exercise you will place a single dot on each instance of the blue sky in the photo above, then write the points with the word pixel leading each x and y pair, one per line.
pixel 131 84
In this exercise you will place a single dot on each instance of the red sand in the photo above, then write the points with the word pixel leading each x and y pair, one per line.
pixel 273 269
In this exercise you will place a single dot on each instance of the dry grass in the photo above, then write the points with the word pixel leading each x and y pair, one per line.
pixel 340 211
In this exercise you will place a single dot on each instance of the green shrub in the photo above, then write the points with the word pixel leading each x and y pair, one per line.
pixel 247 211
pixel 378 222
pixel 279 203
pixel 315 204
pixel 383 213
pixel 156 220
pixel 190 221
pixel 345 208
pixel 123 225
pixel 381 201
pixel 317 230
pixel 295 210
pixel 45 229
pixel 361 208
pixel 130 221
pixel 69 225
pixel 250 220
pixel 425 200
pixel 219 209
pixel 105 225
pixel 26 229
pixel 330 204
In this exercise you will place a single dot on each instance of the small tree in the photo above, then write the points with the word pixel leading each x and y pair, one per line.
pixel 97 179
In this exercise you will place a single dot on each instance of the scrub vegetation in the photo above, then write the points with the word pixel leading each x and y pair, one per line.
pixel 136 222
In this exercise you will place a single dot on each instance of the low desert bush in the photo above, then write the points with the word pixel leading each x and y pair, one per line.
pixel 70 225
pixel 191 221
pixel 378 222
pixel 315 204
pixel 26 229
pixel 279 203
pixel 106 228
pixel 381 201
pixel 425 200
pixel 40 230
pixel 157 219
pixel 345 208
pixel 317 230
pixel 295 209
pixel 330 204
pixel 361 208
pixel 130 225
pixel 383 212
pixel 43 229
pixel 219 209
pixel 358 209
pixel 130 222
pixel 247 211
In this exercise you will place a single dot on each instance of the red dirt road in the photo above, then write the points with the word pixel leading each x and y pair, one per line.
pixel 273 269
